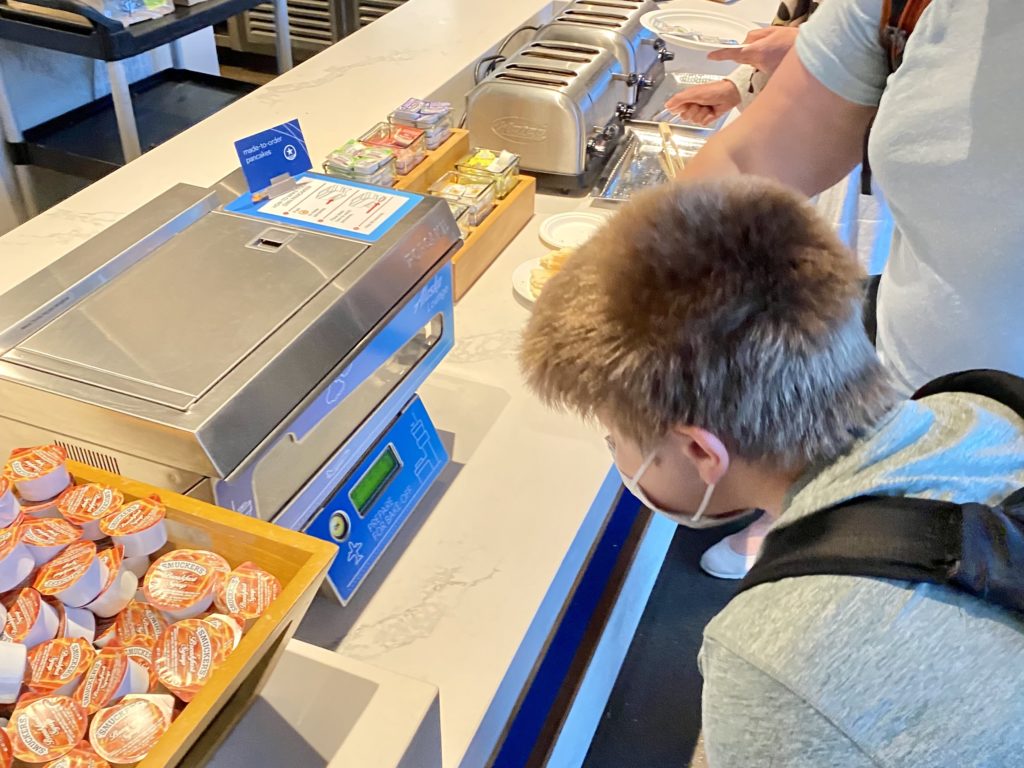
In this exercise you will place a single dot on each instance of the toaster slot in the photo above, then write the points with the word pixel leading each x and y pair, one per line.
pixel 605 15
pixel 589 20
pixel 606 4
pixel 555 56
pixel 516 77
pixel 575 49
pixel 532 69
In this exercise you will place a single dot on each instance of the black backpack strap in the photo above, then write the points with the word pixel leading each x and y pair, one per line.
pixel 1000 386
pixel 875 536
pixel 973 548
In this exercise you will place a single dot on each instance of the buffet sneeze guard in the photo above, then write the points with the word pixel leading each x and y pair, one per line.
pixel 266 364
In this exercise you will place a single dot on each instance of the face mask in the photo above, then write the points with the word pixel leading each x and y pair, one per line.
pixel 696 521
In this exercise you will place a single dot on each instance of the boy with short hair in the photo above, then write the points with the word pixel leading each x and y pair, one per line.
pixel 715 331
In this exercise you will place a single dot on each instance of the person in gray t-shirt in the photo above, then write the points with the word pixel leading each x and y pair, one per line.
pixel 714 329
pixel 945 151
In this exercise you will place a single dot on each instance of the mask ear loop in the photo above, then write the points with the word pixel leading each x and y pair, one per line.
pixel 704 503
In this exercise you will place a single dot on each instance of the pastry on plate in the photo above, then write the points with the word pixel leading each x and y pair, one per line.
pixel 550 265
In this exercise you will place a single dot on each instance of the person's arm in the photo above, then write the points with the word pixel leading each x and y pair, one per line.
pixel 797 131
pixel 750 720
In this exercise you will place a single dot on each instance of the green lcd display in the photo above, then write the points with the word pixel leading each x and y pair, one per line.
pixel 373 481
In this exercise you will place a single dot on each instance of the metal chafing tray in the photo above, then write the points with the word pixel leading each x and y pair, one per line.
pixel 185 336
pixel 637 165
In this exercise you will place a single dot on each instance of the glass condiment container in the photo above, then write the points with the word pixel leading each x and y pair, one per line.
pixel 408 143
pixel 474 192
pixel 501 168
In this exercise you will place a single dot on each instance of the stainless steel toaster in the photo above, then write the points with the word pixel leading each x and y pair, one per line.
pixel 558 105
pixel 615 25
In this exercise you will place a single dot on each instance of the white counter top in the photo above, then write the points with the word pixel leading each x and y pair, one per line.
pixel 471 589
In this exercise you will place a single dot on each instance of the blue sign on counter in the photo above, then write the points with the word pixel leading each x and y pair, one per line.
pixel 275 152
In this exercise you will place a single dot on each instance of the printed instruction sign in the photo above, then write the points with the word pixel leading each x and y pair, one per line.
pixel 275 152
pixel 331 205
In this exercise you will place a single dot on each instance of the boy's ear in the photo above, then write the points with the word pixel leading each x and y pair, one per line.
pixel 708 453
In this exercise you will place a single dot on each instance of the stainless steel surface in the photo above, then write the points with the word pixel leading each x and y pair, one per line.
pixel 637 164
pixel 615 26
pixel 181 345
pixel 547 102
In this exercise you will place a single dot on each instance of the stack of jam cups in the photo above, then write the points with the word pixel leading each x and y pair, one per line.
pixel 406 142
pixel 434 118
pixel 356 161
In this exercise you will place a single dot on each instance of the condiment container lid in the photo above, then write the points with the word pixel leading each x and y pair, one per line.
pixel 86 503
pixel 247 591
pixel 46 728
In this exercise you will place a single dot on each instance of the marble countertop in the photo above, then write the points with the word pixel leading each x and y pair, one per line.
pixel 468 594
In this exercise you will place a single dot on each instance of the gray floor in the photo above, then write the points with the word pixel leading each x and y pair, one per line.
pixel 653 715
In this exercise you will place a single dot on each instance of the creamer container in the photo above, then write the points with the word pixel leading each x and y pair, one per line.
pixel 79 622
pixel 247 592
pixel 138 565
pixel 75 576
pixel 126 732
pixel 501 168
pixel 141 649
pixel 434 118
pixel 38 473
pixel 47 537
pixel 182 583
pixel 140 618
pixel 231 625
pixel 30 619
pixel 82 756
pixel 46 728
pixel 86 505
pixel 138 526
pixel 16 561
pixel 58 666
pixel 10 509
pixel 187 655
pixel 472 191
pixel 112 676
pixel 13 665
pixel 119 588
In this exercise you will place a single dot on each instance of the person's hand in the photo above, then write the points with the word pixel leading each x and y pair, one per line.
pixel 705 103
pixel 763 49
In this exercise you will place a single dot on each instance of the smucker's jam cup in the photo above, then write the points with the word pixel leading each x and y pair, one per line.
pixel 38 473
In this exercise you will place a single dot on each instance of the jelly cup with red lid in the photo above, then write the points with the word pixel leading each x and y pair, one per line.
pixel 46 728
pixel 38 473
pixel 47 537
pixel 30 619
pixel 138 526
pixel 183 583
pixel 58 666
pixel 408 144
pixel 112 676
pixel 75 577
pixel 85 505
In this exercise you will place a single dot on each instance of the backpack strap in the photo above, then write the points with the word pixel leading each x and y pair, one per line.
pixel 971 547
pixel 899 17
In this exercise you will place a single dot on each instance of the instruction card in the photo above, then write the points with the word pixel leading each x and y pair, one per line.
pixel 338 207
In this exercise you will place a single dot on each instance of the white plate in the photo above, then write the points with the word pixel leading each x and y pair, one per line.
pixel 570 230
pixel 521 280
pixel 711 30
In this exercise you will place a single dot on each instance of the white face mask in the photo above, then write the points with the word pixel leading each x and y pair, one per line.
pixel 696 521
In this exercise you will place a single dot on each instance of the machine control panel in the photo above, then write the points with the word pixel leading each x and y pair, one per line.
pixel 376 498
